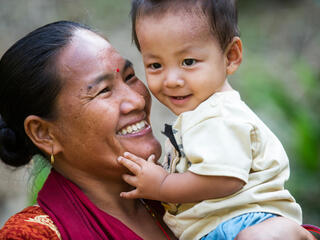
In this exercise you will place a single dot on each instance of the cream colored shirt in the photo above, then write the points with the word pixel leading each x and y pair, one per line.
pixel 223 137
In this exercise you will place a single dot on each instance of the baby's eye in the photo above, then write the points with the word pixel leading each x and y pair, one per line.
pixel 155 66
pixel 188 62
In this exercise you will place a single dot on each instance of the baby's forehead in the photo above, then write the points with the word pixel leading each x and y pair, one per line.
pixel 195 22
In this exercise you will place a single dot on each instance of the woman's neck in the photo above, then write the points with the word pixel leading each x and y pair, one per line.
pixel 105 193
pixel 107 197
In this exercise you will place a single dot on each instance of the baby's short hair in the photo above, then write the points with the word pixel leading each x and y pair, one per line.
pixel 221 15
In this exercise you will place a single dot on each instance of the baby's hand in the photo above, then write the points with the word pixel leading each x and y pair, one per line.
pixel 147 178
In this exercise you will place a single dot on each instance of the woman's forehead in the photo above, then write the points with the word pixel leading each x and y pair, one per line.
pixel 88 53
pixel 86 45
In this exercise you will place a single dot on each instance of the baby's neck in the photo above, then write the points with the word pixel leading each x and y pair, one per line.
pixel 225 87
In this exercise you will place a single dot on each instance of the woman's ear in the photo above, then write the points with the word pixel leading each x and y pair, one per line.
pixel 40 133
pixel 234 55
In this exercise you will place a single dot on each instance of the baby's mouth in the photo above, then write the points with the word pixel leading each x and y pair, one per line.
pixel 180 97
pixel 133 128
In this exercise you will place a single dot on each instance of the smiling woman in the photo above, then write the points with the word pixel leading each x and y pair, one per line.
pixel 76 111
pixel 67 94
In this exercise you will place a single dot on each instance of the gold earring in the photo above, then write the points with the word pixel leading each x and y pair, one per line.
pixel 52 159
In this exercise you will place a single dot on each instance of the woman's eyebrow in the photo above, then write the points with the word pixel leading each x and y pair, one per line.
pixel 127 64
pixel 107 76
pixel 99 79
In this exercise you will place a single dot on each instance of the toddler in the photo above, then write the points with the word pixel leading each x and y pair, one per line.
pixel 224 170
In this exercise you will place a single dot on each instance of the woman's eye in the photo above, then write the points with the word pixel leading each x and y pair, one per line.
pixel 155 66
pixel 188 62
pixel 129 77
pixel 105 90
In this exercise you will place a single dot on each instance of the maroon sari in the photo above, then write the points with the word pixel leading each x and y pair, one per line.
pixel 75 216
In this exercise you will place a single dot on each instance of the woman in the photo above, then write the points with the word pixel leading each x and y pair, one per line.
pixel 67 94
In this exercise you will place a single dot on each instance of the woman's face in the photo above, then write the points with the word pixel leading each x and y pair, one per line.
pixel 102 110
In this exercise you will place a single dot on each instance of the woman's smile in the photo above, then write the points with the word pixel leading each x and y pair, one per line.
pixel 137 129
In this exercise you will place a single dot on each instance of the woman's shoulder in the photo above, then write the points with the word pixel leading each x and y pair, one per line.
pixel 30 223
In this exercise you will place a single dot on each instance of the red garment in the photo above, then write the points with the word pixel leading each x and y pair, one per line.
pixel 30 223
pixel 75 216
pixel 315 230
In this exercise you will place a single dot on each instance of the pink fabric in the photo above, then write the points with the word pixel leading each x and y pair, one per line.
pixel 75 216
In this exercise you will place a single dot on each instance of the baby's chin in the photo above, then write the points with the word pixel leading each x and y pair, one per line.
pixel 177 112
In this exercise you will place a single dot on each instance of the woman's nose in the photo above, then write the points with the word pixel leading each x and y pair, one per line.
pixel 132 101
pixel 173 79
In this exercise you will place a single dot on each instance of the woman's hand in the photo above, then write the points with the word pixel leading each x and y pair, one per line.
pixel 276 228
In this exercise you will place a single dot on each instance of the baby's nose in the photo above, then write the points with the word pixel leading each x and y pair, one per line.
pixel 173 80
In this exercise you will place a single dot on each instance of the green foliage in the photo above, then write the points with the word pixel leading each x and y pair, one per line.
pixel 40 172
pixel 280 80
pixel 291 109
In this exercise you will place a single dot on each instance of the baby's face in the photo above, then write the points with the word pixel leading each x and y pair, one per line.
pixel 184 63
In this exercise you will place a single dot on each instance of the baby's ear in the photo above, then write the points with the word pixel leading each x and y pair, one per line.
pixel 234 55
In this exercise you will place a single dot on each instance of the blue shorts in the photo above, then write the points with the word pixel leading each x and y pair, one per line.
pixel 229 229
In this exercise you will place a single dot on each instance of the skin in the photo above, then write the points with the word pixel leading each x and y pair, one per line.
pixel 95 103
pixel 281 228
pixel 184 67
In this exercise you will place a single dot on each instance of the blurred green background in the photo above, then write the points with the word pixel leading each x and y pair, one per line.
pixel 279 79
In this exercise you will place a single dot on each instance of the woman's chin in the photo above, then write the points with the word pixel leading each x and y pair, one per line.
pixel 145 147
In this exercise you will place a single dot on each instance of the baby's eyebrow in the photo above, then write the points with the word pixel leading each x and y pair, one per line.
pixel 150 55
pixel 185 50
pixel 178 52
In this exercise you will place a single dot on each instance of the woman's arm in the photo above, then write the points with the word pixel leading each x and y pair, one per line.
pixel 277 228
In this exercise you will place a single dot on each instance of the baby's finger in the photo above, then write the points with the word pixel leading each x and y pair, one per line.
pixel 152 158
pixel 132 180
pixel 130 195
pixel 132 166
pixel 134 158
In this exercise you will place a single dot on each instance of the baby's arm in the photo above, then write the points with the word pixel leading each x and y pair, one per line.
pixel 152 182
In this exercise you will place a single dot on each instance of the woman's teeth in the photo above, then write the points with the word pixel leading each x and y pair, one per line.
pixel 133 128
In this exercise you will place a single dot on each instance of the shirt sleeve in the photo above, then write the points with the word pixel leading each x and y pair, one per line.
pixel 219 147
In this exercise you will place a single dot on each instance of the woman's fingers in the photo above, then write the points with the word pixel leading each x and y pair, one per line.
pixel 131 165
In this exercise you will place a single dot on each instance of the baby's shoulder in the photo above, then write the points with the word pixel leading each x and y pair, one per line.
pixel 30 223
pixel 221 108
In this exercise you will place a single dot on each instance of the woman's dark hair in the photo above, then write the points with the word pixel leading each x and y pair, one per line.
pixel 29 85
pixel 221 15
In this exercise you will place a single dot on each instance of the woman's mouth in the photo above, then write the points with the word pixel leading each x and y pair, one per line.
pixel 133 128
